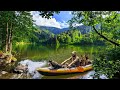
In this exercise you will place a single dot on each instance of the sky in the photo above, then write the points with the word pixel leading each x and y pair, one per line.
pixel 58 20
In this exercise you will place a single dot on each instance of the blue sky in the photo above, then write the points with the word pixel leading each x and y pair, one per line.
pixel 63 16
pixel 58 20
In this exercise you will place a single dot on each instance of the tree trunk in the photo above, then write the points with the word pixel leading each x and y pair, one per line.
pixel 6 48
pixel 3 38
pixel 10 40
pixel 117 44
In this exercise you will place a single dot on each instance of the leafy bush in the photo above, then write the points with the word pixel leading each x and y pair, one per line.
pixel 108 63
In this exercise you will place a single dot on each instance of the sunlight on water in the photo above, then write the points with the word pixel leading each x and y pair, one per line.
pixel 89 76
pixel 32 66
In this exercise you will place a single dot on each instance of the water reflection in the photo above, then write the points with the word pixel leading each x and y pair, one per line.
pixel 39 52
pixel 33 56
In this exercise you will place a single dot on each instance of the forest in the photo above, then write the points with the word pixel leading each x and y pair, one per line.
pixel 100 28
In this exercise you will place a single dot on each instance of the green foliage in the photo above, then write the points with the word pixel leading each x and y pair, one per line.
pixel 108 63
pixel 107 20
pixel 75 37
pixel 48 14
pixel 69 37
pixel 20 23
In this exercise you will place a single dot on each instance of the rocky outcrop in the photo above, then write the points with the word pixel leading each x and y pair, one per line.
pixel 3 72
pixel 6 58
pixel 20 68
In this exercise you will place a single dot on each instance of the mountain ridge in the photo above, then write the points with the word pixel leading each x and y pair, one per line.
pixel 84 29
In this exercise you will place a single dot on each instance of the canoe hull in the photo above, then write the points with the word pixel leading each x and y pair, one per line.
pixel 63 71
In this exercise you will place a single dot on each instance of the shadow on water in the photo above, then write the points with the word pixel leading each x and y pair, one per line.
pixel 69 76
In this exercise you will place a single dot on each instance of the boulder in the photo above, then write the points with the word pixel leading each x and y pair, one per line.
pixel 20 68
pixel 6 58
pixel 10 58
pixel 4 72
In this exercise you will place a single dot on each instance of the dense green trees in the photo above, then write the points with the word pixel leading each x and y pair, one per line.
pixel 15 26
pixel 108 21
pixel 48 14
pixel 68 37
pixel 107 62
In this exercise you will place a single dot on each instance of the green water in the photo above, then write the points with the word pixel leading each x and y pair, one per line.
pixel 59 54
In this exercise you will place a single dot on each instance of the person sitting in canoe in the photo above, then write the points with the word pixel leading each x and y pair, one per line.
pixel 87 60
pixel 84 60
pixel 75 62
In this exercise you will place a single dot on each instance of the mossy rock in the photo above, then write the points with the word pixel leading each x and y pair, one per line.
pixel 13 59
pixel 10 58
pixel 1 53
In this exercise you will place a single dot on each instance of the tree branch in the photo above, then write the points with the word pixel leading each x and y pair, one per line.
pixel 117 44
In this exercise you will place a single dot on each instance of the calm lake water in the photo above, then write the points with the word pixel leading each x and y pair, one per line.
pixel 59 54
pixel 39 53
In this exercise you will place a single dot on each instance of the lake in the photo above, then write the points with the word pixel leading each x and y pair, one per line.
pixel 39 53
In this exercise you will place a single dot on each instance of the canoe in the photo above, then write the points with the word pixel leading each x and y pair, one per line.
pixel 63 71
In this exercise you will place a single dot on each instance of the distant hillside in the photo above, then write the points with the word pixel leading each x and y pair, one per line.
pixel 46 32
pixel 83 29
pixel 44 35
pixel 53 29
pixel 65 35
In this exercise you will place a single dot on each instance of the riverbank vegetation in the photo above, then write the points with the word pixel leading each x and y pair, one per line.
pixel 107 62
pixel 17 27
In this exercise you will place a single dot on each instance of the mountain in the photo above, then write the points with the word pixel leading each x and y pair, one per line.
pixel 53 29
pixel 45 33
pixel 83 29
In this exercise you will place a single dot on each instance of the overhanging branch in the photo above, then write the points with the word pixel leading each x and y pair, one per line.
pixel 117 44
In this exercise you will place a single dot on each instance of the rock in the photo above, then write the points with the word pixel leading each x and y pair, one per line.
pixel 8 58
pixel 13 59
pixel 21 68
pixel 2 56
pixel 18 71
pixel 1 53
pixel 4 72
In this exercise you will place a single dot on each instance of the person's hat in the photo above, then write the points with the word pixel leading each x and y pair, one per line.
pixel 74 52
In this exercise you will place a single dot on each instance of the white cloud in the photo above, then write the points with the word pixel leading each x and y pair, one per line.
pixel 76 24
pixel 47 22
pixel 64 24
pixel 70 12
pixel 104 16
